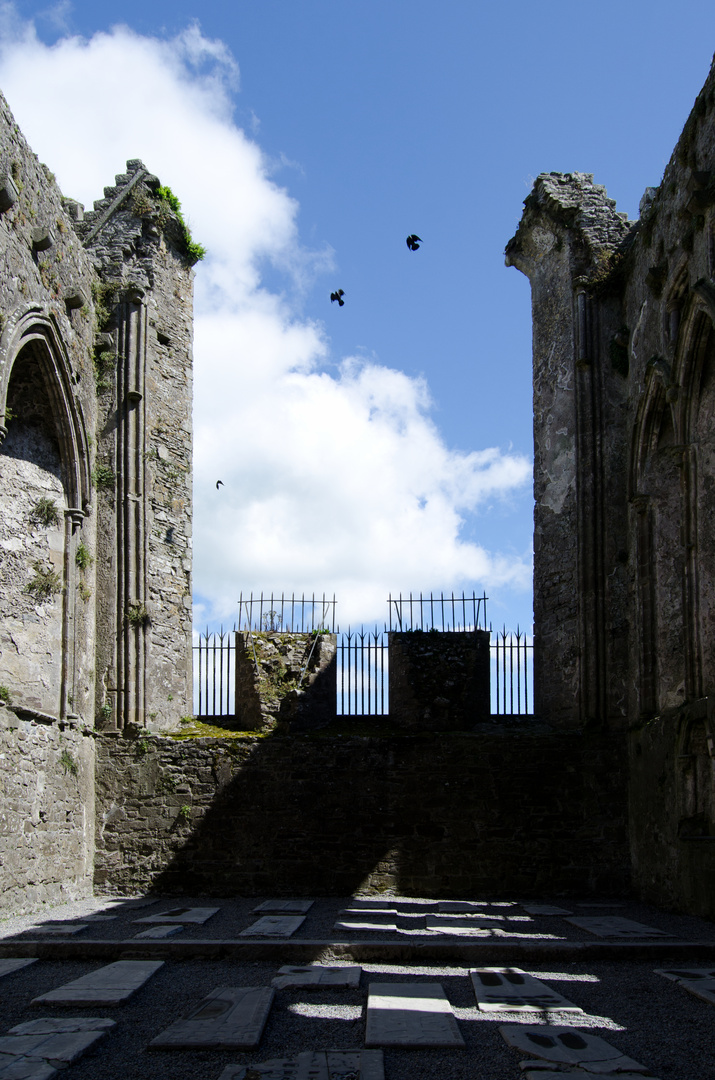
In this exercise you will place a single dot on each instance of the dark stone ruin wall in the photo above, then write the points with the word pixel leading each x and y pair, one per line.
pixel 47 815
pixel 507 811
pixel 624 331
pixel 439 681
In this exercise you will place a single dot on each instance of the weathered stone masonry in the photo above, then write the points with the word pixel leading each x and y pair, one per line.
pixel 624 481
pixel 95 493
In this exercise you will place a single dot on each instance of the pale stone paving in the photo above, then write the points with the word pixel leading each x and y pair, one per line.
pixel 310 1065
pixel 108 985
pixel 614 926
pixel 410 1015
pixel 197 916
pixel 229 1018
pixel 514 990
pixel 316 975
pixel 569 1046
pixel 281 926
pixel 285 907
pixel 35 1050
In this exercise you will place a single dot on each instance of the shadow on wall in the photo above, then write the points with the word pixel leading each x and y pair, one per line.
pixel 331 813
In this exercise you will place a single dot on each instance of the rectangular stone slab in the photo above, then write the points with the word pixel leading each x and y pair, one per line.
pixel 310 1065
pixel 545 909
pixel 59 928
pixel 410 1015
pixel 34 1050
pixel 108 985
pixel 365 924
pixel 697 981
pixel 514 990
pixel 615 926
pixel 466 926
pixel 14 964
pixel 197 915
pixel 282 926
pixel 284 907
pixel 316 975
pixel 159 931
pixel 230 1018
pixel 569 1046
pixel 461 907
pixel 538 1073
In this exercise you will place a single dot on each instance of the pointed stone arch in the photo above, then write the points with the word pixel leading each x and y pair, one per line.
pixel 45 492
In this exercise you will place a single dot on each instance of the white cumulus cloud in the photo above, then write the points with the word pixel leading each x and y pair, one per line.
pixel 334 475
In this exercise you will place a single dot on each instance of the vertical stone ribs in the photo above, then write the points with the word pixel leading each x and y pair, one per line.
pixel 131 525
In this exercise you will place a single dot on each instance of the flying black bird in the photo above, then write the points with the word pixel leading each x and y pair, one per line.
pixel 219 483
pixel 412 241
pixel 338 296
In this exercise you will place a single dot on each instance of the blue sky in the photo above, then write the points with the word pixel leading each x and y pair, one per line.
pixel 384 445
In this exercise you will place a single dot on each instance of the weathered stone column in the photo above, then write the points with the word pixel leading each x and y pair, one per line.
pixel 287 678
pixel 439 681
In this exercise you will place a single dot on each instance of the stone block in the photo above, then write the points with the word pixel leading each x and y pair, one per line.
pixel 109 985
pixel 514 990
pixel 197 916
pixel 614 926
pixel 323 1065
pixel 159 932
pixel 316 975
pixel 410 1015
pixel 8 192
pixel 282 926
pixel 230 1018
pixel 569 1046
pixel 285 907
pixel 545 909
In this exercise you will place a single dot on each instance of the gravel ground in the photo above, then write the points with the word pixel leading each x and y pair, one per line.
pixel 646 1016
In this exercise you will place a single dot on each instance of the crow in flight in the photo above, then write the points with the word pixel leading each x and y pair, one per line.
pixel 219 483
pixel 338 296
pixel 413 241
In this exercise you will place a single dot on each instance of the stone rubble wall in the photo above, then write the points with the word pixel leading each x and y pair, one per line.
pixel 509 810
pixel 47 812
pixel 439 681
pixel 286 678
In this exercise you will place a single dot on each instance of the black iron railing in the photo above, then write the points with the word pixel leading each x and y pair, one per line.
pixel 362 655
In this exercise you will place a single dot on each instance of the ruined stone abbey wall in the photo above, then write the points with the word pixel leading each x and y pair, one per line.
pixel 95 499
pixel 624 481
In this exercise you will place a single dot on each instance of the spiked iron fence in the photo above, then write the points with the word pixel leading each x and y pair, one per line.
pixel 362 655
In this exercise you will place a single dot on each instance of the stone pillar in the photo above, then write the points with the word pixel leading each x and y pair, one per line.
pixel 287 678
pixel 439 681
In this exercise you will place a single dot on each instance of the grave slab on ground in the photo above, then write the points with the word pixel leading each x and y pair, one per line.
pixel 15 964
pixel 159 931
pixel 317 975
pixel 284 907
pixel 538 1073
pixel 462 907
pixel 545 909
pixel 410 1015
pixel 230 1018
pixel 614 926
pixel 58 928
pixel 513 990
pixel 195 915
pixel 569 1046
pixel 36 1049
pixel 365 924
pixel 99 918
pixel 282 926
pixel 109 985
pixel 697 981
pixel 462 925
pixel 311 1065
